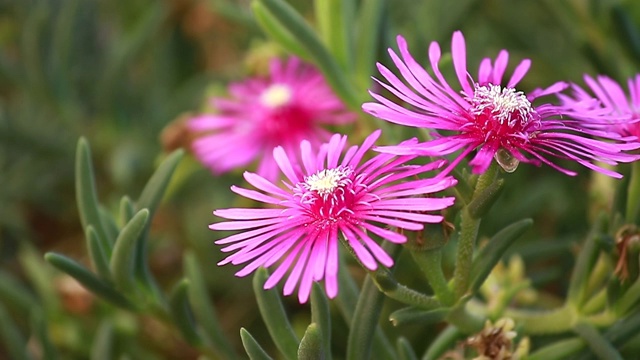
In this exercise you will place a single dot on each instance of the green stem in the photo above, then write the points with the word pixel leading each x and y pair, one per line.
pixel 633 196
pixel 468 234
pixel 430 262
pixel 385 281
pixel 544 322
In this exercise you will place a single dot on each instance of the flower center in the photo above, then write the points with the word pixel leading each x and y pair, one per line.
pixel 506 105
pixel 325 182
pixel 276 95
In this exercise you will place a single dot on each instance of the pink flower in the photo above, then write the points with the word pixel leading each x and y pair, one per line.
pixel 623 111
pixel 497 121
pixel 289 105
pixel 325 198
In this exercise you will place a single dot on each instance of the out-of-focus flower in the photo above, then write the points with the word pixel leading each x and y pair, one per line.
pixel 497 121
pixel 324 198
pixel 612 101
pixel 288 106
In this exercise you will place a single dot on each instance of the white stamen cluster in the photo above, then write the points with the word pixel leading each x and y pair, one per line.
pixel 326 181
pixel 276 95
pixel 503 103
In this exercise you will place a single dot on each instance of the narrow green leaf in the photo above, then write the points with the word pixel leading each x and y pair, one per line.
pixel 98 255
pixel 88 280
pixel 598 344
pixel 413 315
pixel 14 294
pixel 157 185
pixel 321 316
pixel 40 331
pixel 110 226
pixel 39 275
pixel 204 310
pixel 443 342
pixel 181 313
pixel 103 342
pixel 276 31
pixel 405 351
pixel 295 23
pixel 274 316
pixel 122 263
pixel 558 350
pixel 489 255
pixel 365 321
pixel 368 31
pixel 347 299
pixel 86 196
pixel 334 19
pixel 14 341
pixel 150 198
pixel 585 262
pixel 251 346
pixel 311 346
pixel 127 210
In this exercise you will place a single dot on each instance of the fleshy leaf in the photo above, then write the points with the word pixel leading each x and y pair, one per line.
pixel 88 280
pixel 274 316
pixel 122 263
pixel 251 346
pixel 489 255
pixel 181 312
pixel 311 345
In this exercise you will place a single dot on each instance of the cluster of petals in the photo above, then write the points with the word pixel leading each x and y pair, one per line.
pixel 490 118
pixel 622 111
pixel 292 103
pixel 329 192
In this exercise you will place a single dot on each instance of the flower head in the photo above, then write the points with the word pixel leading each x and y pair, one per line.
pixel 623 111
pixel 288 106
pixel 322 199
pixel 496 120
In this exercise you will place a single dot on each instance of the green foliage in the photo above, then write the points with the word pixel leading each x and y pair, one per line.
pixel 116 73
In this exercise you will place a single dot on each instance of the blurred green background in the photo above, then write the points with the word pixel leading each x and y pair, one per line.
pixel 123 72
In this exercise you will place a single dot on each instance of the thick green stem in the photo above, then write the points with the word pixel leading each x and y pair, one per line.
pixel 385 281
pixel 633 195
pixel 468 234
pixel 544 322
pixel 430 262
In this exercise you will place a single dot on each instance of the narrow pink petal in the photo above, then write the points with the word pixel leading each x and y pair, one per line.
pixel 520 71
pixel 459 54
pixel 361 252
pixel 386 234
pixel 500 66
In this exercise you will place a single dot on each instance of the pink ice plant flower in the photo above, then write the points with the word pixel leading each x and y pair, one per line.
pixel 493 119
pixel 325 197
pixel 292 103
pixel 623 110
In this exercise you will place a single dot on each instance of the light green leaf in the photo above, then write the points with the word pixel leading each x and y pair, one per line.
pixel 204 310
pixel 274 316
pixel 296 25
pixel 276 31
pixel 122 263
pixel 88 280
pixel 311 347
pixel 321 316
pixel 98 255
pixel 489 255
pixel 405 351
pixel 251 346
pixel 181 312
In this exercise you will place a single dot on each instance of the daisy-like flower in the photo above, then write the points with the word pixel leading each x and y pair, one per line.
pixel 289 105
pixel 325 198
pixel 612 101
pixel 496 120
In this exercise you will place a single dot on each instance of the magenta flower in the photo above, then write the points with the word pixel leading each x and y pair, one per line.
pixel 325 198
pixel 497 121
pixel 289 105
pixel 623 111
